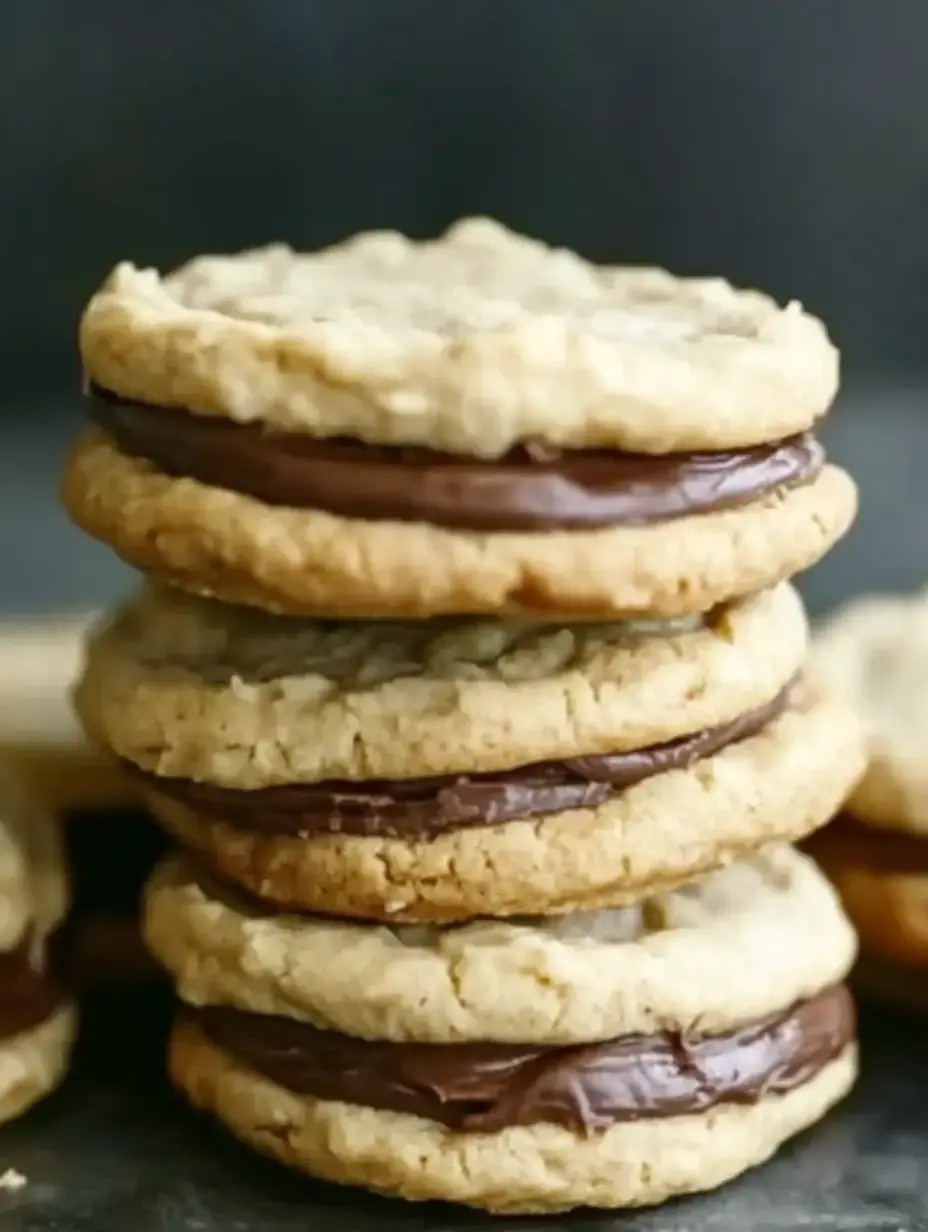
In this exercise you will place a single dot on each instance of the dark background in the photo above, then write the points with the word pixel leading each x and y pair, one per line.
pixel 784 145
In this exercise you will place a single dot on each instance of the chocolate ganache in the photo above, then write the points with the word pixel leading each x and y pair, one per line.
pixel 426 807
pixel 484 1087
pixel 534 487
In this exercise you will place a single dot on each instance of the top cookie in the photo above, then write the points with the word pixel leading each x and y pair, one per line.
pixel 471 344
pixel 875 652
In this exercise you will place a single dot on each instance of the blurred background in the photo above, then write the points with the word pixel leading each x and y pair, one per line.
pixel 784 146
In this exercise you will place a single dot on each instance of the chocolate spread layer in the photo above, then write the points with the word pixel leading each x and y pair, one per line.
pixel 29 992
pixel 534 487
pixel 488 1087
pixel 423 808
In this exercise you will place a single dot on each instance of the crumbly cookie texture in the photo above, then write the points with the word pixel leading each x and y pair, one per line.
pixel 192 689
pixel 887 905
pixel 739 945
pixel 39 732
pixel 524 1169
pixel 34 1062
pixel 875 651
pixel 33 878
pixel 777 786
pixel 470 343
pixel 232 547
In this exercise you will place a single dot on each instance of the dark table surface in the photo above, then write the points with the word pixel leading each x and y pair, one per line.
pixel 114 1151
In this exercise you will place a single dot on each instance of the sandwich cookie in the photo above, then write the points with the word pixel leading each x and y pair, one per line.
pixel 476 424
pixel 610 1058
pixel 37 1021
pixel 875 653
pixel 447 769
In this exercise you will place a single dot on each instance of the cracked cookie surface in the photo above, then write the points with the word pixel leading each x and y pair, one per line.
pixel 763 933
pixel 470 343
pixel 191 689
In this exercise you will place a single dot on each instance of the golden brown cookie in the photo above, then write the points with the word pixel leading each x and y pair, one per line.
pixel 218 543
pixel 741 943
pixel 609 1059
pixel 776 786
pixel 476 424
pixel 527 1169
pixel 241 699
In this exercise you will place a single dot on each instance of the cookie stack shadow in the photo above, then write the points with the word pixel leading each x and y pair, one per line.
pixel 469 680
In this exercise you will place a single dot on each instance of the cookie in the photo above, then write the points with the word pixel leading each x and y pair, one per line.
pixel 775 786
pixel 39 661
pixel 615 1059
pixel 37 1022
pixel 875 651
pixel 458 768
pixel 738 945
pixel 244 700
pixel 478 424
pixel 219 543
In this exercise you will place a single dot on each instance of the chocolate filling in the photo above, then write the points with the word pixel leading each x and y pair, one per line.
pixel 534 487
pixel 29 992
pixel 487 1087
pixel 426 807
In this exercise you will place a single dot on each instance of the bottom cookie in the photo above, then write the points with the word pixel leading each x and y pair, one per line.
pixel 33 1062
pixel 520 1169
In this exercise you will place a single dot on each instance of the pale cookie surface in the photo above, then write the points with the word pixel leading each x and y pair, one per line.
pixel 777 786
pixel 191 689
pixel 524 1169
pixel 33 877
pixel 875 651
pixel 40 659
pixel 470 344
pixel 232 547
pixel 741 944
pixel 34 1062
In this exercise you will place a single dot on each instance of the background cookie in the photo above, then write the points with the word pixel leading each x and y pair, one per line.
pixel 37 1021
pixel 875 652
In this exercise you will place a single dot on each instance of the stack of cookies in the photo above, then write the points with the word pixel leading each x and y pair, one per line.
pixel 469 680
pixel 875 652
